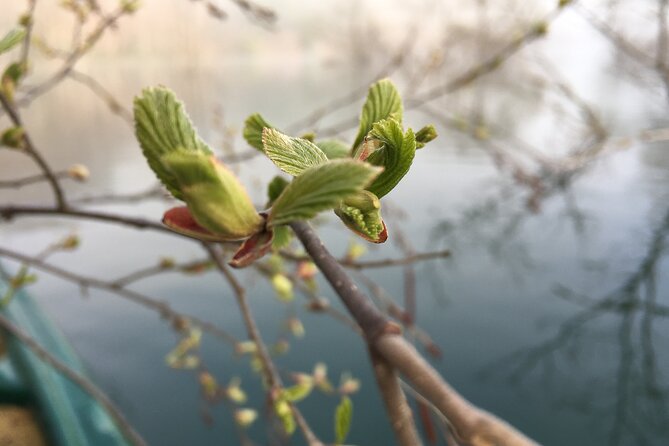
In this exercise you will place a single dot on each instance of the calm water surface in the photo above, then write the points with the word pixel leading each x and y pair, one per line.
pixel 556 320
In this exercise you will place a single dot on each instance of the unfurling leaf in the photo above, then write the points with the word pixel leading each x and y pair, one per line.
pixel 12 38
pixel 162 127
pixel 292 155
pixel 425 135
pixel 253 127
pixel 383 102
pixel 343 417
pixel 319 188
pixel 253 248
pixel 215 197
pixel 334 149
pixel 395 155
pixel 298 392
pixel 361 213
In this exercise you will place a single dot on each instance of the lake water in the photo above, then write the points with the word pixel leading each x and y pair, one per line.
pixel 554 317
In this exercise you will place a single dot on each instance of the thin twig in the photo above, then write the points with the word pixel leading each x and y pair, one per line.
pixel 269 369
pixel 31 150
pixel 26 181
pixel 471 424
pixel 162 308
pixel 381 263
pixel 9 212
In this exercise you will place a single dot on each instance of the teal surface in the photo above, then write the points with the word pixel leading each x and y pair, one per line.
pixel 72 417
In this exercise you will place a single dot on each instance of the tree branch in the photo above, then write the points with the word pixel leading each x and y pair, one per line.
pixel 471 425
pixel 270 372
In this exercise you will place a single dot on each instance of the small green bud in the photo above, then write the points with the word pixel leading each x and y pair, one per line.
pixel 281 347
pixel 349 385
pixel 69 243
pixel 235 392
pixel 11 78
pixel 361 213
pixel 245 347
pixel 208 384
pixel 283 287
pixel 166 263
pixel 25 20
pixel 78 172
pixel 296 327
pixel 13 138
pixel 541 28
pixel 563 3
pixel 311 136
pixel 130 6
pixel 245 417
pixel 425 135
pixel 216 199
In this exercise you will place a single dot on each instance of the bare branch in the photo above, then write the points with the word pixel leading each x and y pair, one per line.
pixel 163 309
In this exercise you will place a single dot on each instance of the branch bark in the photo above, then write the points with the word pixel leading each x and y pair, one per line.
pixel 471 425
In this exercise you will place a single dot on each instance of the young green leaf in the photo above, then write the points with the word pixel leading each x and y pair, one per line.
pixel 274 189
pixel 298 392
pixel 12 38
pixel 214 195
pixel 343 417
pixel 361 213
pixel 253 127
pixel 292 155
pixel 162 126
pixel 383 102
pixel 395 154
pixel 319 188
pixel 282 237
pixel 333 148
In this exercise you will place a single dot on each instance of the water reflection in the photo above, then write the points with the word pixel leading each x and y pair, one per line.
pixel 544 184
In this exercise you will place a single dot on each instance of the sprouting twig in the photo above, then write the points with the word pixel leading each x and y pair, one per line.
pixel 84 282
pixel 268 367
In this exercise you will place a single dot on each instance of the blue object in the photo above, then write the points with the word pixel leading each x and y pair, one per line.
pixel 71 416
